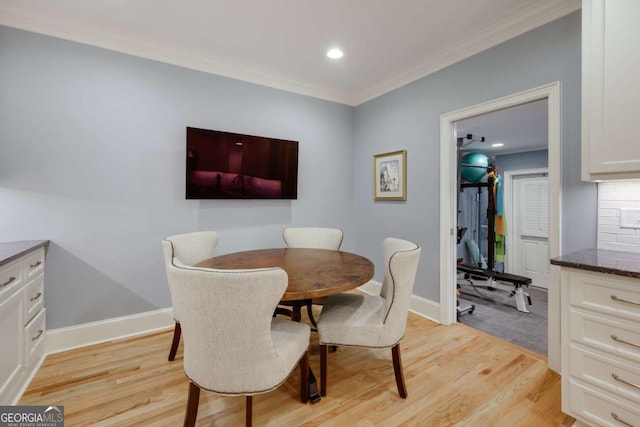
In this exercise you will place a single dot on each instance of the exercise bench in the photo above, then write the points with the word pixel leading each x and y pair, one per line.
pixel 494 277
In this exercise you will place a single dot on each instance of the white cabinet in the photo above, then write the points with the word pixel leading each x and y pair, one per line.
pixel 610 89
pixel 600 348
pixel 22 322
pixel 12 354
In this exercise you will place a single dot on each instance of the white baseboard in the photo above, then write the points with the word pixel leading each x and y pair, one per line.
pixel 77 336
pixel 418 305
pixel 425 308
pixel 63 339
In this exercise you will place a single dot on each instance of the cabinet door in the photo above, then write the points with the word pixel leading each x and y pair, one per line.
pixel 12 355
pixel 610 89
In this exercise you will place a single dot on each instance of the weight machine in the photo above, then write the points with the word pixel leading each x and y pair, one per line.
pixel 495 280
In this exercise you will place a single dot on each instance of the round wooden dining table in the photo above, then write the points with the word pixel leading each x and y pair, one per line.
pixel 313 273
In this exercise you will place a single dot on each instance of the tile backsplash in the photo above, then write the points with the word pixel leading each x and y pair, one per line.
pixel 612 197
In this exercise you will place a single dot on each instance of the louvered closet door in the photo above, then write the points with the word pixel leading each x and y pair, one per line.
pixel 531 216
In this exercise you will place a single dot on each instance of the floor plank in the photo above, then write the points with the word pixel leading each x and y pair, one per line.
pixel 455 375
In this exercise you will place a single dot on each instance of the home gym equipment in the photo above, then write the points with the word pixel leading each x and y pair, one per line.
pixel 477 170
pixel 474 167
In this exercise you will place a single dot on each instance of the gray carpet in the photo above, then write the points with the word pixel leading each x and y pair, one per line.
pixel 501 319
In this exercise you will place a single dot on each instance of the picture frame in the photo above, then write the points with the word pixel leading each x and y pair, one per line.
pixel 390 176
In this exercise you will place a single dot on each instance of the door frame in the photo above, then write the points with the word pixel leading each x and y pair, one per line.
pixel 448 207
pixel 509 208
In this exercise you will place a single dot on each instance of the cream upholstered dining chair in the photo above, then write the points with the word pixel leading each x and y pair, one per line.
pixel 232 344
pixel 375 321
pixel 313 238
pixel 188 249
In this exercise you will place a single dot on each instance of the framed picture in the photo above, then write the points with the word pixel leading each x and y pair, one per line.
pixel 390 176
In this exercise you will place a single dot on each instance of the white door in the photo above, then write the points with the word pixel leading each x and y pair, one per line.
pixel 530 254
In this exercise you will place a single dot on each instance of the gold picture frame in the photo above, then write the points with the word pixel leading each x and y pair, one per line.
pixel 390 176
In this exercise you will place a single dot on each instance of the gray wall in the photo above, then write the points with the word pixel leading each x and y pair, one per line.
pixel 528 160
pixel 92 157
pixel 409 118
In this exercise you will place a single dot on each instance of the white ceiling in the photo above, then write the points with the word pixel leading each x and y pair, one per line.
pixel 282 43
pixel 521 128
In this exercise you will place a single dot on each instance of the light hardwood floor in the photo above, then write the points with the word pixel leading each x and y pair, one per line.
pixel 455 375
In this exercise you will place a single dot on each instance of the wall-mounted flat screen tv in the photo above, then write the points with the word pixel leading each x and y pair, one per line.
pixel 225 165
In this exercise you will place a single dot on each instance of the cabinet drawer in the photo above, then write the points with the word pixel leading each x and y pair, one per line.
pixel 602 409
pixel 10 278
pixel 34 336
pixel 34 298
pixel 34 264
pixel 607 372
pixel 605 295
pixel 617 337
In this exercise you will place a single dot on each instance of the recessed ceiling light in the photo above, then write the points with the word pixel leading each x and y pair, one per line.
pixel 497 144
pixel 335 53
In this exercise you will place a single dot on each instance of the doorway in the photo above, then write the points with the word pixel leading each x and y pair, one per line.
pixel 448 204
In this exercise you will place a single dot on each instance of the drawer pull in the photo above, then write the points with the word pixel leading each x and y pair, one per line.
pixel 620 420
pixel 615 338
pixel 11 279
pixel 38 295
pixel 615 298
pixel 37 263
pixel 617 378
pixel 37 335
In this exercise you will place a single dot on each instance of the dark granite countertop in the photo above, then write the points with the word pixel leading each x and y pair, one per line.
pixel 12 250
pixel 620 263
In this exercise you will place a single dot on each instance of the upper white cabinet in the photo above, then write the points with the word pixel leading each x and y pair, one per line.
pixel 610 89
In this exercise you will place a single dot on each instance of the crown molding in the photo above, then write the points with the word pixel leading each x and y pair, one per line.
pixel 504 27
pixel 21 17
pixel 501 29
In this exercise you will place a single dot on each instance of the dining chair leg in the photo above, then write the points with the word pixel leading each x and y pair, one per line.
pixel 249 414
pixel 304 377
pixel 192 405
pixel 177 331
pixel 323 369
pixel 310 314
pixel 397 369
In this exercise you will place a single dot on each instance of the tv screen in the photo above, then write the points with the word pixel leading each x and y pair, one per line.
pixel 225 165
